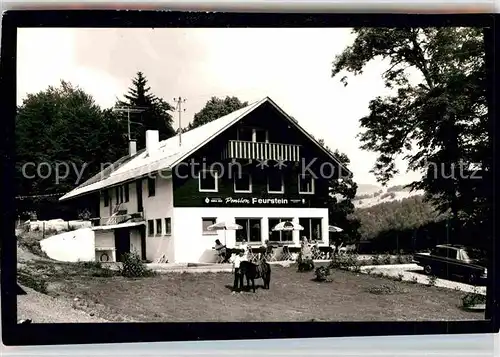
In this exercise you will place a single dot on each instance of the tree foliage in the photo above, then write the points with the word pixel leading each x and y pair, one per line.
pixel 63 133
pixel 216 108
pixel 437 119
pixel 156 114
pixel 409 213
pixel 340 201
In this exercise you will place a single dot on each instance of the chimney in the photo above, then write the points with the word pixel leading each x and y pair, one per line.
pixel 152 141
pixel 132 147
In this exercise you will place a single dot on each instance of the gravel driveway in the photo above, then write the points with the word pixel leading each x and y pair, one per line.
pixel 411 272
pixel 41 308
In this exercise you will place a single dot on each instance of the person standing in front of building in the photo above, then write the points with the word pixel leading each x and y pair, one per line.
pixel 238 276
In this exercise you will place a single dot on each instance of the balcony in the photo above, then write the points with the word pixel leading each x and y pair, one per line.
pixel 237 149
pixel 118 218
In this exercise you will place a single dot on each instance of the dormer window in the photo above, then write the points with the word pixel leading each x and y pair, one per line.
pixel 208 181
pixel 306 184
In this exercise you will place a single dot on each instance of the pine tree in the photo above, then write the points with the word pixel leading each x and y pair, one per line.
pixel 155 115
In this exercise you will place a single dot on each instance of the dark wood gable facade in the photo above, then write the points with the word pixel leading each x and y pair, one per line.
pixel 234 171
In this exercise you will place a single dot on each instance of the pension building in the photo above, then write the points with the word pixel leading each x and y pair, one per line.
pixel 255 167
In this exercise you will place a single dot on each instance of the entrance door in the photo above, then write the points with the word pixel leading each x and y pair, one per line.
pixel 122 243
pixel 138 186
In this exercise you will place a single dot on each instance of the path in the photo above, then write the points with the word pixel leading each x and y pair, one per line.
pixel 41 308
pixel 413 272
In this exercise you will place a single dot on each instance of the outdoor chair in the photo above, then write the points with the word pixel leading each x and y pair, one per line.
pixel 271 254
pixel 251 256
pixel 286 255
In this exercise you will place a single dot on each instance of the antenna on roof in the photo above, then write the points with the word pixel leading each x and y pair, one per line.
pixel 178 106
pixel 128 110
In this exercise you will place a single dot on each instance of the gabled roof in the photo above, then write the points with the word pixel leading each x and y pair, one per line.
pixel 170 153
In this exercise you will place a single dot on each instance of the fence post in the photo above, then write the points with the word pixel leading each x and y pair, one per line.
pixel 43 230
pixel 68 226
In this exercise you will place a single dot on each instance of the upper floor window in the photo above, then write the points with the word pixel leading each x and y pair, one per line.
pixel 257 135
pixel 275 183
pixel 105 196
pixel 260 136
pixel 208 181
pixel 151 186
pixel 245 134
pixel 126 192
pixel 243 183
pixel 306 184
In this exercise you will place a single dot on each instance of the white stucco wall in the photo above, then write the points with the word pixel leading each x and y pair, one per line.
pixel 191 245
pixel 159 206
pixel 71 246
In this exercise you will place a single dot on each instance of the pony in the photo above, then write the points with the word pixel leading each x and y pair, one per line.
pixel 259 270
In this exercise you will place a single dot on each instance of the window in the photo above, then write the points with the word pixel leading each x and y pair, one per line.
pixel 279 236
pixel 158 227
pixel 208 181
pixel 127 195
pixel 245 134
pixel 206 222
pixel 275 183
pixel 442 252
pixel 105 196
pixel 250 231
pixel 312 228
pixel 121 194
pixel 151 228
pixel 168 226
pixel 260 136
pixel 306 184
pixel 151 186
pixel 243 183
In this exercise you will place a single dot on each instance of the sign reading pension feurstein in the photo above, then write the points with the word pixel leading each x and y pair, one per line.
pixel 242 201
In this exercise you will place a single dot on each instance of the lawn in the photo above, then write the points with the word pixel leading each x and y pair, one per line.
pixel 293 296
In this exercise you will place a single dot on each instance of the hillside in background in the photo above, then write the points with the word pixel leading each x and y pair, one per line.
pixel 371 195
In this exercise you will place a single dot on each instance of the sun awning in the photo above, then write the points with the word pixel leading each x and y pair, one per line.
pixel 116 226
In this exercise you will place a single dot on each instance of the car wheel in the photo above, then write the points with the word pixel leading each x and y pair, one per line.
pixel 428 269
pixel 472 278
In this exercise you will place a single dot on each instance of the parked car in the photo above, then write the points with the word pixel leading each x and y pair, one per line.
pixel 453 260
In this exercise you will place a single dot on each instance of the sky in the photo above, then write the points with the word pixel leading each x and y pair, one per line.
pixel 291 66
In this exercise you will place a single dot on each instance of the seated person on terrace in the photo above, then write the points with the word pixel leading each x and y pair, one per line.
pixel 221 250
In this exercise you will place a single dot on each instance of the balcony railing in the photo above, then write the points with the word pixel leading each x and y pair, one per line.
pixel 236 149
pixel 117 219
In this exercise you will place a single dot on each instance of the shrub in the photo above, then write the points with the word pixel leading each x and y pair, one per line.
pixel 472 299
pixel 386 259
pixel 134 267
pixel 432 280
pixel 376 259
pixel 305 265
pixel 322 274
